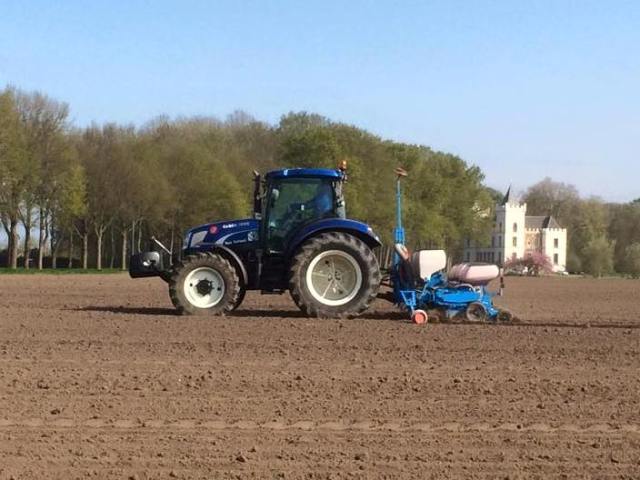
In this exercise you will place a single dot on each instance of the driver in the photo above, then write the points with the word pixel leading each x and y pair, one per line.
pixel 322 202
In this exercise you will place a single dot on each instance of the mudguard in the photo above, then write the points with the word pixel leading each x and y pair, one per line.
pixel 224 251
pixel 358 229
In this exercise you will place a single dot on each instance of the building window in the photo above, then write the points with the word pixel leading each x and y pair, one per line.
pixel 555 242
pixel 515 227
pixel 555 259
pixel 493 242
pixel 467 257
pixel 515 241
pixel 499 240
pixel 500 227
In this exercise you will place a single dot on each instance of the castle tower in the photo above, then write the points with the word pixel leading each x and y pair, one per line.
pixel 509 228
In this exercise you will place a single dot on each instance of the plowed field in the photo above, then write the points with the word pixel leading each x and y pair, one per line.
pixel 98 378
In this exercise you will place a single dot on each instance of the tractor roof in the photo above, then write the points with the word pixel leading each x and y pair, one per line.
pixel 306 173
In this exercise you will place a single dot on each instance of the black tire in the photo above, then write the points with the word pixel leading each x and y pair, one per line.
pixel 227 272
pixel 240 299
pixel 505 316
pixel 351 246
pixel 476 312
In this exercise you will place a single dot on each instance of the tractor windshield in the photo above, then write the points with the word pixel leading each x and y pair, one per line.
pixel 294 202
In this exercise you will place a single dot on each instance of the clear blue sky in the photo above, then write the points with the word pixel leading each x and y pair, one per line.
pixel 524 89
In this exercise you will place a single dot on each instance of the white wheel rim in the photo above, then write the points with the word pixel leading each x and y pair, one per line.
pixel 334 278
pixel 204 287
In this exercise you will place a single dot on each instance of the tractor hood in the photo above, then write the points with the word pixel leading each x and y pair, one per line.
pixel 227 233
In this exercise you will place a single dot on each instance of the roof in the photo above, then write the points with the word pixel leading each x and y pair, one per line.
pixel 540 221
pixel 305 172
pixel 509 197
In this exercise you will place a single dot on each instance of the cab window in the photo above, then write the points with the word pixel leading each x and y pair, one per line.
pixel 294 202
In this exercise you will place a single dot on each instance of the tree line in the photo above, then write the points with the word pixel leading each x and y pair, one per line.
pixel 89 197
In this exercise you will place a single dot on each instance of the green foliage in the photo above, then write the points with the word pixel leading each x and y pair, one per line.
pixel 588 222
pixel 574 262
pixel 72 201
pixel 552 198
pixel 170 175
pixel 632 260
pixel 597 256
pixel 444 199
pixel 624 226
pixel 16 166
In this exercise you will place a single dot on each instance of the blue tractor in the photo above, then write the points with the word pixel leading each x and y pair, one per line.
pixel 298 239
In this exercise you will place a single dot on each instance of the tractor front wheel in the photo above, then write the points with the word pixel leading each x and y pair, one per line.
pixel 334 275
pixel 204 284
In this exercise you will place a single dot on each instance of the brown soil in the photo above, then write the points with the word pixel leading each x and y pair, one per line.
pixel 99 378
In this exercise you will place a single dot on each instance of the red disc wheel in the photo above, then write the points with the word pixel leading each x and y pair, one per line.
pixel 419 317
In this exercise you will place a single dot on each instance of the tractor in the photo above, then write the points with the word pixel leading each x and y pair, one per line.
pixel 298 239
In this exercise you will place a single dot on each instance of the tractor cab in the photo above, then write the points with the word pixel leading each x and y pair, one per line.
pixel 294 198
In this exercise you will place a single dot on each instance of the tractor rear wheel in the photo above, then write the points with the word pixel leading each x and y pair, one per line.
pixel 334 275
pixel 204 284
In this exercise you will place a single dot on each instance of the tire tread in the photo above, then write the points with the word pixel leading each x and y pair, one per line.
pixel 204 259
pixel 370 273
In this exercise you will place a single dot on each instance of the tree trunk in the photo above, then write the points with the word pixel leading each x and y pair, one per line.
pixel 99 232
pixel 27 238
pixel 124 249
pixel 50 235
pixel 133 237
pixel 70 263
pixel 172 244
pixel 85 250
pixel 7 230
pixel 13 243
pixel 113 250
pixel 41 241
pixel 55 250
pixel 139 237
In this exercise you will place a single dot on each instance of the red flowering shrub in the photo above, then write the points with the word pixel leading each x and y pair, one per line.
pixel 533 263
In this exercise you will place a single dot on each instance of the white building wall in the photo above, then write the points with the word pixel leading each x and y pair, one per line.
pixel 556 251
pixel 501 244
pixel 513 216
